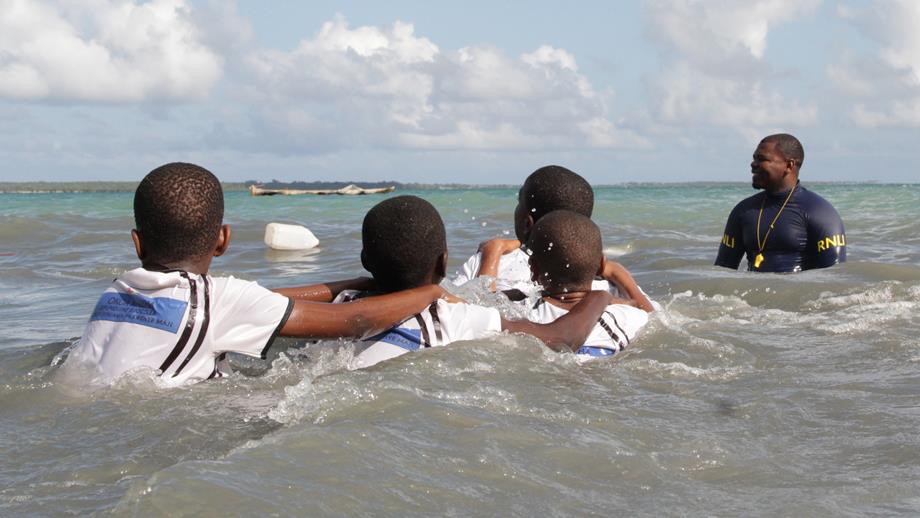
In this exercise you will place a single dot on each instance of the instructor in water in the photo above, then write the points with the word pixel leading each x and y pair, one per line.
pixel 785 228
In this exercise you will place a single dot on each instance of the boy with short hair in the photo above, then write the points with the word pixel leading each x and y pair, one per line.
pixel 549 188
pixel 566 253
pixel 404 246
pixel 171 316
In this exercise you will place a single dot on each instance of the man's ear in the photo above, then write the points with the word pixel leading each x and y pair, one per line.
pixel 223 241
pixel 138 246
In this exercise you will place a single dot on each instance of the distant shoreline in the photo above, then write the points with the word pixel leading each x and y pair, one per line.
pixel 115 187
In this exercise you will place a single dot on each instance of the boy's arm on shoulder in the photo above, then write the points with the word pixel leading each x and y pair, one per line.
pixel 569 331
pixel 360 317
pixel 492 252
pixel 326 292
pixel 616 273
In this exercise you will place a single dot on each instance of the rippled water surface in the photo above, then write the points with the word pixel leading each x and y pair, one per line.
pixel 747 394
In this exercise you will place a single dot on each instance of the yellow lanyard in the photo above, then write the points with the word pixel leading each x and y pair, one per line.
pixel 758 259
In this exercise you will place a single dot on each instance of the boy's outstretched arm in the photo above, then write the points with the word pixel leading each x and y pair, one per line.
pixel 326 292
pixel 569 331
pixel 614 272
pixel 359 318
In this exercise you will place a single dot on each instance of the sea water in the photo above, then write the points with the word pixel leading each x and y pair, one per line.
pixel 754 394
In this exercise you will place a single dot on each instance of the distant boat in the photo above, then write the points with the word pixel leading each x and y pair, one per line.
pixel 350 189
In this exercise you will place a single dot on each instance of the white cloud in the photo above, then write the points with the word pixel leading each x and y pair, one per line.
pixel 686 94
pixel 103 50
pixel 394 88
pixel 711 34
pixel 886 84
pixel 715 69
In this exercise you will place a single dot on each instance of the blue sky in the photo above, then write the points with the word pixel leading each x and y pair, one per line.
pixel 478 92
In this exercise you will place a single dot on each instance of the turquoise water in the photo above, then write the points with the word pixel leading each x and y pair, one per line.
pixel 748 394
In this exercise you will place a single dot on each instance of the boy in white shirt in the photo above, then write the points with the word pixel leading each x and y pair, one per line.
pixel 566 253
pixel 404 246
pixel 169 315
pixel 547 189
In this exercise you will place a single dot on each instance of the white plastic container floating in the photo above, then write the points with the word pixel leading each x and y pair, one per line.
pixel 281 236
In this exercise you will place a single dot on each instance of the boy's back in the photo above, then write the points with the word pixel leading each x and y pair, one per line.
pixel 178 323
pixel 421 258
pixel 171 316
pixel 438 325
pixel 566 251
pixel 615 330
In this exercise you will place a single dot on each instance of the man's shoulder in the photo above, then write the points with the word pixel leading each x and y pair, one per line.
pixel 812 199
pixel 819 211
pixel 753 200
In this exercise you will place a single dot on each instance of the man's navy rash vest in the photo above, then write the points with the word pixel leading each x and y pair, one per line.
pixel 808 234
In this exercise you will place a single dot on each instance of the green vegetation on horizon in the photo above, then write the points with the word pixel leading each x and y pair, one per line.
pixel 101 186
pixel 42 187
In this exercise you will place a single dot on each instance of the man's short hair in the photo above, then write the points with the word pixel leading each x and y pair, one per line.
pixel 554 187
pixel 789 146
pixel 566 248
pixel 402 238
pixel 178 212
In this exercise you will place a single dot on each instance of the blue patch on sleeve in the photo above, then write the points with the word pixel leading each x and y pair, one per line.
pixel 409 339
pixel 157 312
pixel 595 351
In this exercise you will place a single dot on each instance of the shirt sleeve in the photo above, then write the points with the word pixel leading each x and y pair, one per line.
pixel 731 249
pixel 469 270
pixel 248 317
pixel 826 238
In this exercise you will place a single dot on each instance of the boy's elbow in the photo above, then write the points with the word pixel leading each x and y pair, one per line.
pixel 563 341
pixel 358 325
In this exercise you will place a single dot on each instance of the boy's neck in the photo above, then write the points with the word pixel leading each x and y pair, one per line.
pixel 196 266
pixel 432 279
pixel 563 298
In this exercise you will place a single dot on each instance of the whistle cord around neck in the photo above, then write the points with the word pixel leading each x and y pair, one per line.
pixel 758 259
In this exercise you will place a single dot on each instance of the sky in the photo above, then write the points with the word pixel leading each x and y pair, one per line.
pixel 457 92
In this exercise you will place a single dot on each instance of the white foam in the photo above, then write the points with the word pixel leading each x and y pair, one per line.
pixel 683 371
pixel 617 251
pixel 298 402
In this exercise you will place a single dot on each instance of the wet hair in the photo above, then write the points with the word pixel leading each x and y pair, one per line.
pixel 567 250
pixel 554 187
pixel 402 238
pixel 788 146
pixel 178 212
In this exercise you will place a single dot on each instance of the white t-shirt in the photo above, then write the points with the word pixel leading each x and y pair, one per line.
pixel 617 327
pixel 438 325
pixel 514 273
pixel 178 323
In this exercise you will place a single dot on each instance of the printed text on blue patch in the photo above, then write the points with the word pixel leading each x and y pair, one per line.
pixel 157 312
